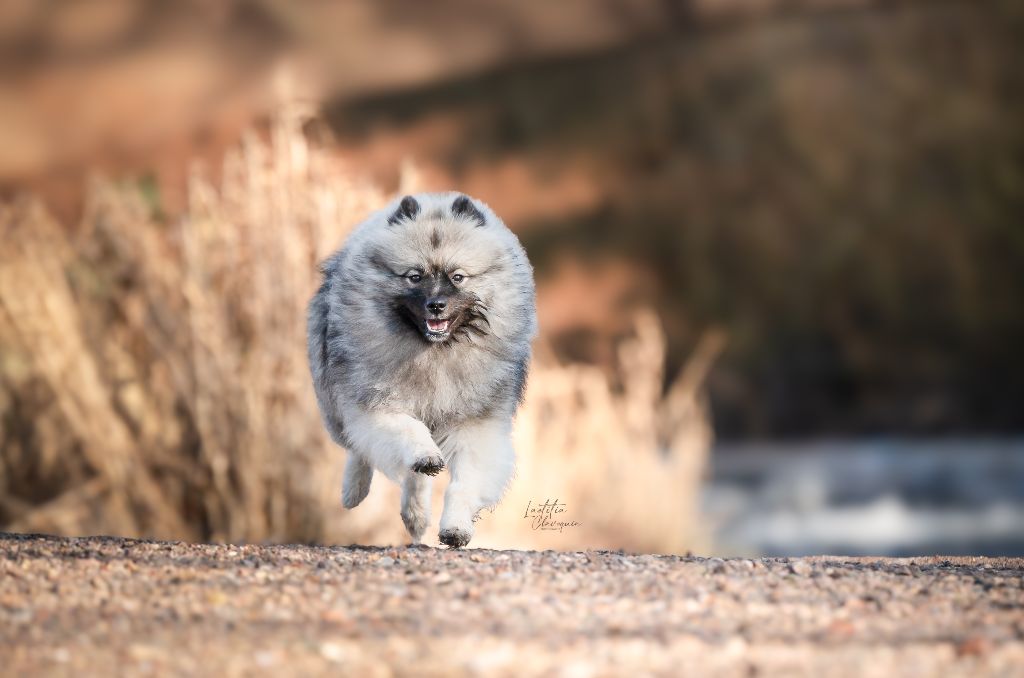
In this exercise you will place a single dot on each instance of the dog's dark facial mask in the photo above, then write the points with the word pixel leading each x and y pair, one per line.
pixel 433 306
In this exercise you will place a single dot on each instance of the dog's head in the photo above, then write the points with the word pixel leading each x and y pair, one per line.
pixel 436 304
pixel 441 261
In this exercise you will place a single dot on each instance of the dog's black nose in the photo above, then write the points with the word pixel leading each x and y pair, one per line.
pixel 436 305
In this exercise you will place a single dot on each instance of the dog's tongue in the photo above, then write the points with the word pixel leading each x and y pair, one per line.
pixel 437 325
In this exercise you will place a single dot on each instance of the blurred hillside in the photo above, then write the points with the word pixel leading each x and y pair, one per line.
pixel 837 184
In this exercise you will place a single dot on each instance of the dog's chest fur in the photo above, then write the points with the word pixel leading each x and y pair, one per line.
pixel 443 385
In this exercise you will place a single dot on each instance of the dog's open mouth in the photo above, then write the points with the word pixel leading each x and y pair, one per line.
pixel 438 325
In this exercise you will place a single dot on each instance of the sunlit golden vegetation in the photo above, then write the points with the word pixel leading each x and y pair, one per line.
pixel 154 381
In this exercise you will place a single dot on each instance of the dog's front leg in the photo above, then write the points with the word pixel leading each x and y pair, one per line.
pixel 482 460
pixel 394 442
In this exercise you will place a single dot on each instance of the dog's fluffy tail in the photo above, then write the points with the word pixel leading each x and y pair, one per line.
pixel 358 474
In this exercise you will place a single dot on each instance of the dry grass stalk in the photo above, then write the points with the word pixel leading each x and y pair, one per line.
pixel 154 379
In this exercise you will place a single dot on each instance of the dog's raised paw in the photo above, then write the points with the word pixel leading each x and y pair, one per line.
pixel 454 537
pixel 430 465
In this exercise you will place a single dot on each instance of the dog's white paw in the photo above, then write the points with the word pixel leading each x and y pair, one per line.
pixel 428 464
pixel 455 537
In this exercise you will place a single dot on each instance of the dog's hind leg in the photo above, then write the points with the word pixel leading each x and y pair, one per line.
pixel 358 474
pixel 416 492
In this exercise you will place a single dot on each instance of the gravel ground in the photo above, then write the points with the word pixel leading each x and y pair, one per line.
pixel 105 605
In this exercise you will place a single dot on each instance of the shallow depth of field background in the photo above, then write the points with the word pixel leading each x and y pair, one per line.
pixel 779 249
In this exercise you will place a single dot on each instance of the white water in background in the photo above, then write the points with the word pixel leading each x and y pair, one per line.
pixel 877 497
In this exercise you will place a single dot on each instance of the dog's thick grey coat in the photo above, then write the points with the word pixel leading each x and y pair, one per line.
pixel 419 344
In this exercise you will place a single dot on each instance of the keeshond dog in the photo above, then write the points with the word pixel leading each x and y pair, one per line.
pixel 419 344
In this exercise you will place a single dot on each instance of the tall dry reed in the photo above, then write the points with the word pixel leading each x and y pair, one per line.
pixel 153 379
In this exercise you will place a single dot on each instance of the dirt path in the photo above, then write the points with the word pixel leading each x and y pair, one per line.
pixel 104 605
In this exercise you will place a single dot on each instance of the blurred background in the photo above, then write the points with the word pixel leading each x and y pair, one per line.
pixel 779 247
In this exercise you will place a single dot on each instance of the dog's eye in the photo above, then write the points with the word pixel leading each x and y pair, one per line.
pixel 457 278
pixel 414 276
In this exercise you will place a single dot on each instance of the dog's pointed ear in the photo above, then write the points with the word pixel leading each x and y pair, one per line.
pixel 407 209
pixel 464 208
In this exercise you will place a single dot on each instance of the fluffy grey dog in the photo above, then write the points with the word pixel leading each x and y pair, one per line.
pixel 419 343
